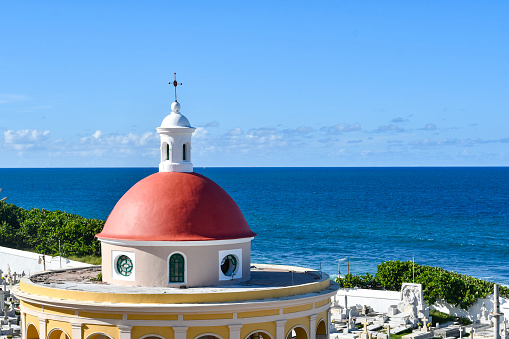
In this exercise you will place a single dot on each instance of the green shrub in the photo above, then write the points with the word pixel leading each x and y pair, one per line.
pixel 40 230
pixel 457 289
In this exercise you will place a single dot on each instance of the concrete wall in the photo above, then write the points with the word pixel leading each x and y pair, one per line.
pixel 474 312
pixel 378 300
pixel 381 300
pixel 28 262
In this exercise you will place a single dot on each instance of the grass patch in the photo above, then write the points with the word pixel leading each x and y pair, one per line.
pixel 398 336
pixel 440 317
pixel 89 259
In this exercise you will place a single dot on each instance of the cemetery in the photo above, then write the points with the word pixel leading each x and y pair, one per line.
pixel 408 317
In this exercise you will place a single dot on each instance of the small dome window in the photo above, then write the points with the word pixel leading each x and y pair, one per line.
pixel 184 152
pixel 177 267
pixel 124 265
pixel 229 265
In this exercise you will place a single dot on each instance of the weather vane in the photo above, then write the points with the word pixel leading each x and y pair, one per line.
pixel 175 83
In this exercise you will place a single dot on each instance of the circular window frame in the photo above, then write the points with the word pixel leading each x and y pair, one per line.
pixel 233 265
pixel 118 265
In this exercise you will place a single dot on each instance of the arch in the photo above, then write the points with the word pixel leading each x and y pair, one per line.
pixel 58 333
pixel 263 335
pixel 152 336
pixel 298 332
pixel 99 335
pixel 32 331
pixel 177 270
pixel 321 328
pixel 208 335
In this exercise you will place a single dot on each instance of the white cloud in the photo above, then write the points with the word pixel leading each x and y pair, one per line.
pixel 99 139
pixel 212 124
pixel 430 127
pixel 389 128
pixel 25 136
pixel 340 128
pixel 398 119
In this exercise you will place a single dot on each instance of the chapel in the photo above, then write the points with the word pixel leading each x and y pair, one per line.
pixel 176 264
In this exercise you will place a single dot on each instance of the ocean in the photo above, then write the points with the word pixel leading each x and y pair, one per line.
pixel 454 218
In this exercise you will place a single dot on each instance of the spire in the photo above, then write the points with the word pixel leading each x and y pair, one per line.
pixel 175 133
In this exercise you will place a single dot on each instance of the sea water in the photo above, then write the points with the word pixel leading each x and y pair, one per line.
pixel 454 218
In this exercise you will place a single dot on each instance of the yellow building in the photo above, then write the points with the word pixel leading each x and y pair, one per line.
pixel 176 265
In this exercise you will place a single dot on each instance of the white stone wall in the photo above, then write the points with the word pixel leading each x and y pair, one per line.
pixel 28 262
pixel 474 312
pixel 379 301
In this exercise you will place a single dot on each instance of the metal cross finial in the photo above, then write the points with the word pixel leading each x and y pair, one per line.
pixel 175 83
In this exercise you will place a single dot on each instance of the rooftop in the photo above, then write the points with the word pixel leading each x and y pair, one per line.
pixel 268 282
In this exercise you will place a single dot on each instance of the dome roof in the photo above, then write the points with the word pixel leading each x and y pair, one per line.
pixel 174 206
pixel 175 120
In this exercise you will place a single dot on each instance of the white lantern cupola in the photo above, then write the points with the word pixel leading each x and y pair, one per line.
pixel 175 132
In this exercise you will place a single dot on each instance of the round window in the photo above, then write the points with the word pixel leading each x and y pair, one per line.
pixel 124 265
pixel 229 265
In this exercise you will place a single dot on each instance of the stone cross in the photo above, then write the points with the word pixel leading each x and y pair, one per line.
pixel 365 323
pixel 461 331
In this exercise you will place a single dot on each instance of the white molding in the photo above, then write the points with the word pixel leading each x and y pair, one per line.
pixel 102 333
pixel 208 333
pixel 262 331
pixel 136 243
pixel 57 329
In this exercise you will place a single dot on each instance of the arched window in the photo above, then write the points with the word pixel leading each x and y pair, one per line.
pixel 167 152
pixel 177 268
pixel 184 152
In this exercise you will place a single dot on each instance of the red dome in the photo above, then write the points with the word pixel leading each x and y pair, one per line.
pixel 173 206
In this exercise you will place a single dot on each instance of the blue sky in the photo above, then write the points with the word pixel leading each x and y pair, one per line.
pixel 266 83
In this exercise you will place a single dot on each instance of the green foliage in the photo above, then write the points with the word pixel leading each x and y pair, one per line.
pixel 456 289
pixel 440 317
pixel 40 230
pixel 362 281
pixel 98 278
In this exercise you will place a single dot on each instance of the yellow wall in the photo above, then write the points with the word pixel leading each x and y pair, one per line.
pixel 303 321
pixel 32 319
pixel 297 308
pixel 257 313
pixel 208 316
pixel 173 298
pixel 248 328
pixel 87 330
pixel 32 306
pixel 140 331
pixel 100 315
pixel 152 317
pixel 59 311
pixel 31 332
pixel 321 303
pixel 222 331
pixel 51 324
